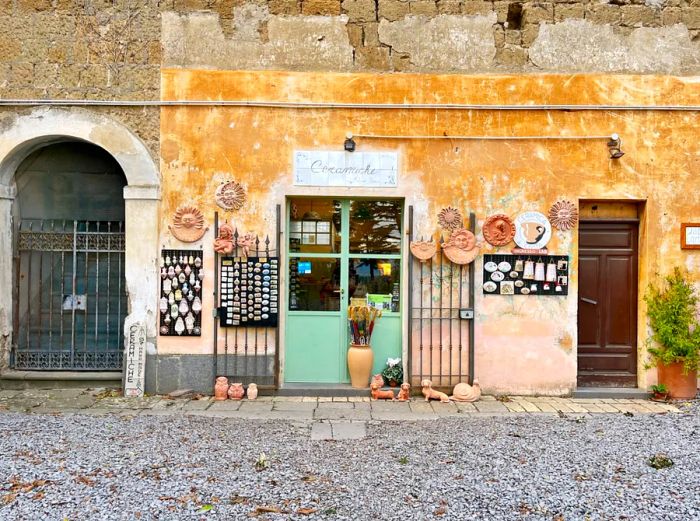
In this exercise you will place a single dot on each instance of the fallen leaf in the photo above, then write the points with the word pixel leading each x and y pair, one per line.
pixel 205 508
pixel 237 500
pixel 39 495
pixel 8 498
pixel 308 479
pixel 440 511
pixel 306 511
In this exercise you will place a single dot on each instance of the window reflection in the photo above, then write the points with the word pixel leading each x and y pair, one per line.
pixel 375 227
pixel 375 282
pixel 314 226
pixel 314 284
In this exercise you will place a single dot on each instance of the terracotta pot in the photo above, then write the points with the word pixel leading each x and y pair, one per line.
pixel 393 383
pixel 360 359
pixel 221 388
pixel 680 386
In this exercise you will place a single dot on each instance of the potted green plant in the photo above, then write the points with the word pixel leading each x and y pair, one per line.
pixel 675 340
pixel 393 372
pixel 659 392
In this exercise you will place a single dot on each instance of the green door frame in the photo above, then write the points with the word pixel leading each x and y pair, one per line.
pixel 345 256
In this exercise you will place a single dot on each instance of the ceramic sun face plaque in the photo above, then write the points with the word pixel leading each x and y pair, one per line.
pixel 532 230
pixel 461 247
pixel 450 219
pixel 563 215
pixel 423 250
pixel 230 195
pixel 188 224
pixel 498 230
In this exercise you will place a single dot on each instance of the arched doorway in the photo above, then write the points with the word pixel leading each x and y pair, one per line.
pixel 70 299
pixel 41 127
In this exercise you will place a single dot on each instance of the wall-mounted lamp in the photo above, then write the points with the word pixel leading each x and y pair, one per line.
pixel 615 147
pixel 349 144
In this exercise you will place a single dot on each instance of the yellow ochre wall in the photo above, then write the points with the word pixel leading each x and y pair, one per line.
pixel 523 344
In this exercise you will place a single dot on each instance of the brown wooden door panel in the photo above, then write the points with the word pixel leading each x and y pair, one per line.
pixel 607 304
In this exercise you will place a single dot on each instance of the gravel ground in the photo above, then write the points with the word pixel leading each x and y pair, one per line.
pixel 79 467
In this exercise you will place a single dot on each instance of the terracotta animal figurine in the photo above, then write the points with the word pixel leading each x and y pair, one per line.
pixel 432 394
pixel 252 391
pixel 466 393
pixel 378 379
pixel 235 391
pixel 224 242
pixel 404 392
pixel 378 394
pixel 220 388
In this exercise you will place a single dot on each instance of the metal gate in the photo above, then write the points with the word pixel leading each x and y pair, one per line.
pixel 441 318
pixel 70 300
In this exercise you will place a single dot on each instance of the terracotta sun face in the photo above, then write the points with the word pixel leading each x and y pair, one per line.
pixel 450 218
pixel 230 195
pixel 188 224
pixel 461 248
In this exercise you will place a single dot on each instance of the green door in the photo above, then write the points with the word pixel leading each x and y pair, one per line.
pixel 340 253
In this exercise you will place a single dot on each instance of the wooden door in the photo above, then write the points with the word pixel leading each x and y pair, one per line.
pixel 607 304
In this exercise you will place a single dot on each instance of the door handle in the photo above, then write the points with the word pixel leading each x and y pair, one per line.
pixel 342 292
pixel 590 301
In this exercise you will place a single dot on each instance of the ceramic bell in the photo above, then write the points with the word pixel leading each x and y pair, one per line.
pixel 184 307
pixel 171 272
pixel 174 311
pixel 539 271
pixel 178 295
pixel 179 326
pixel 163 273
pixel 178 270
pixel 167 260
pixel 197 262
pixel 189 322
pixel 163 305
pixel 551 272
pixel 171 298
pixel 196 305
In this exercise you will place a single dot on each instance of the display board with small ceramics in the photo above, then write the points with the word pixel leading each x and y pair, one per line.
pixel 506 274
pixel 249 291
pixel 180 304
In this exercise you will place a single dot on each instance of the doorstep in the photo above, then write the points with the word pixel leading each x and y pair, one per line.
pixel 629 393
pixel 324 390
pixel 13 379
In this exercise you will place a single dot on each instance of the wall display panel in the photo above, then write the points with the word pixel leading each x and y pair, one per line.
pixel 249 291
pixel 180 304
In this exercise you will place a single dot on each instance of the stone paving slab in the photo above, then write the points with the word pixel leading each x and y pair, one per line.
pixel 348 430
pixel 325 409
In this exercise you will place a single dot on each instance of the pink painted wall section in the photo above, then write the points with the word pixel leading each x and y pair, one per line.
pixel 523 344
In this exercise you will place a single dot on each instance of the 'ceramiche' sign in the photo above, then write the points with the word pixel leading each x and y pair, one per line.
pixel 134 374
pixel 373 169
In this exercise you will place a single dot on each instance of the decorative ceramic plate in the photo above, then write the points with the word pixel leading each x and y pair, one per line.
pixel 490 286
pixel 514 274
pixel 504 266
pixel 497 276
pixel 525 291
pixel 491 266
pixel 519 283
pixel 498 230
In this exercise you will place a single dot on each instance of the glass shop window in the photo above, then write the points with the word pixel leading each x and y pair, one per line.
pixel 314 226
pixel 375 227
pixel 375 282
pixel 314 284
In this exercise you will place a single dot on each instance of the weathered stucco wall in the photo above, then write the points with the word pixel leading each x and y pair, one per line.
pixel 522 344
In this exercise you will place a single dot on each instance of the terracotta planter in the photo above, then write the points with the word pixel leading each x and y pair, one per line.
pixel 680 386
pixel 360 359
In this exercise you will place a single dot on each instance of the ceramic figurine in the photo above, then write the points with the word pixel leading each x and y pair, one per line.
pixel 378 394
pixel 235 391
pixel 246 242
pixel 432 394
pixel 188 224
pixel 221 388
pixel 466 393
pixel 378 379
pixel 252 391
pixel 404 392
pixel 223 244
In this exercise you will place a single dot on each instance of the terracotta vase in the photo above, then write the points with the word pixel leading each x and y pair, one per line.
pixel 360 359
pixel 252 392
pixel 680 386
pixel 221 388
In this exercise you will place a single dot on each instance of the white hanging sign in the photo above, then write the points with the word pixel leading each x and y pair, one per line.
pixel 372 169
pixel 135 364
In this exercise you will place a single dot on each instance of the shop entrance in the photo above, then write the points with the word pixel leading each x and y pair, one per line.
pixel 341 252
pixel 607 303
